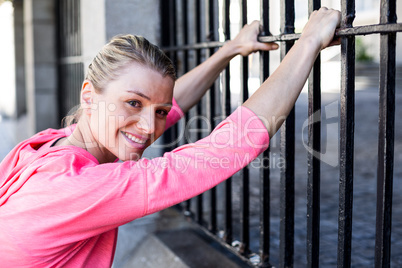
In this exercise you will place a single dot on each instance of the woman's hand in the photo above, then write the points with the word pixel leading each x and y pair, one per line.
pixel 315 32
pixel 246 41
pixel 191 87
pixel 273 101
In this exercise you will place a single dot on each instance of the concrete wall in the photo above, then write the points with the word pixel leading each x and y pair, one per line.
pixel 133 17
pixel 93 28
pixel 40 64
pixel 103 19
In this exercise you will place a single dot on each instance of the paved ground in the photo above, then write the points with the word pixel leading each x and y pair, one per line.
pixel 364 206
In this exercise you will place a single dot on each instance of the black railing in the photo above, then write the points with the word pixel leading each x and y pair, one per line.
pixel 189 15
pixel 386 130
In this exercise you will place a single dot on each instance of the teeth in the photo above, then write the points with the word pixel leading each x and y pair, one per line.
pixel 134 139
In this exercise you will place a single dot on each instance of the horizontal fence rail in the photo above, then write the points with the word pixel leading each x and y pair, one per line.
pixel 189 36
pixel 341 32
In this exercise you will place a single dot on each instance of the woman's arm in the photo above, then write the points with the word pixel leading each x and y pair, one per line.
pixel 275 98
pixel 192 86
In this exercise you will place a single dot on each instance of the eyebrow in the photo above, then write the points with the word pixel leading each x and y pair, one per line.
pixel 145 96
pixel 140 94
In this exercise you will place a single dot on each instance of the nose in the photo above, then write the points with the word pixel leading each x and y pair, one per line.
pixel 146 123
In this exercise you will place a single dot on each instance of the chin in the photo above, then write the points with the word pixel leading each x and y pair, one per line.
pixel 135 156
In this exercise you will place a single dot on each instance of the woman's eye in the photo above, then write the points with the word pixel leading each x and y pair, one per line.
pixel 135 103
pixel 162 113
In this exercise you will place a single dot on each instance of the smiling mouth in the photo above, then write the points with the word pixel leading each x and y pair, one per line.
pixel 134 139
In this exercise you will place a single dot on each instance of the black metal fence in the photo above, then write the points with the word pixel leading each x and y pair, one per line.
pixel 71 67
pixel 190 33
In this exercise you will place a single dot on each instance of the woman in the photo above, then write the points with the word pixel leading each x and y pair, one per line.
pixel 62 194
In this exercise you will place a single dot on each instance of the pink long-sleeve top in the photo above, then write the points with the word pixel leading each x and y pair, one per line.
pixel 60 208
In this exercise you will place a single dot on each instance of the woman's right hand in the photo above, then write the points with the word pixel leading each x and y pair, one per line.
pixel 321 26
pixel 246 41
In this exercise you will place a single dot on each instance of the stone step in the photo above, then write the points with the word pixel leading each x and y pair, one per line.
pixel 180 248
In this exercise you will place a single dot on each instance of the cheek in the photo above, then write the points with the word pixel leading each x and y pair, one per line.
pixel 99 114
pixel 117 117
pixel 105 120
pixel 160 128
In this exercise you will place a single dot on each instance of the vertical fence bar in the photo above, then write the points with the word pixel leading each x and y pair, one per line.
pixel 169 38
pixel 245 187
pixel 164 23
pixel 211 36
pixel 385 138
pixel 265 170
pixel 287 206
pixel 226 99
pixel 314 142
pixel 200 207
pixel 184 13
pixel 173 55
pixel 172 29
pixel 346 137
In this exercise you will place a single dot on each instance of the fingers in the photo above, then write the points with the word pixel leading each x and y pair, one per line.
pixel 246 42
pixel 266 46
pixel 255 23
pixel 337 18
pixel 335 42
pixel 321 27
pixel 257 28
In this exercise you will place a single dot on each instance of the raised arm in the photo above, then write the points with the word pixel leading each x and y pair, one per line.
pixel 192 86
pixel 275 98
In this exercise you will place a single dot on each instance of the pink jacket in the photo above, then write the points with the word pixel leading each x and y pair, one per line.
pixel 60 207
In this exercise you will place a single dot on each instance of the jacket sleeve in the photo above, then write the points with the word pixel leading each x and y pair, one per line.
pixel 194 168
pixel 174 115
pixel 78 198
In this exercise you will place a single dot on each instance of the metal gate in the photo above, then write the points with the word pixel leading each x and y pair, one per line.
pixel 190 33
pixel 71 67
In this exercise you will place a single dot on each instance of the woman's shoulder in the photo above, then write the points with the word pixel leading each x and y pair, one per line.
pixel 39 150
pixel 41 138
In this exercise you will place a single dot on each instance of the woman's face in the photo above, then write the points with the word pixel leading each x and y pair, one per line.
pixel 130 114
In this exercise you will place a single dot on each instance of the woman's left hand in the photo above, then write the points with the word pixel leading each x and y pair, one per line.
pixel 190 87
pixel 246 41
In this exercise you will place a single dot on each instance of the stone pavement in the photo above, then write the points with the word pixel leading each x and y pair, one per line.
pixel 364 198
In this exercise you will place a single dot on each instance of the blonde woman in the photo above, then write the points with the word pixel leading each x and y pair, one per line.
pixel 62 193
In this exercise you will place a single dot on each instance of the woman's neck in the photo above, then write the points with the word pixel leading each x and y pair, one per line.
pixel 82 137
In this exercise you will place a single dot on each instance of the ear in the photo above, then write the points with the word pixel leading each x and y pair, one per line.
pixel 87 92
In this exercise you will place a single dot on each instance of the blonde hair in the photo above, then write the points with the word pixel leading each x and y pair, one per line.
pixel 121 51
